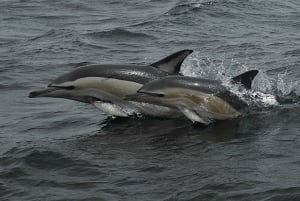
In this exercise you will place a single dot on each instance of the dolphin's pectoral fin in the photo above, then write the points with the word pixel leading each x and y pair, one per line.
pixel 194 116
pixel 110 108
pixel 110 104
pixel 171 64
pixel 245 79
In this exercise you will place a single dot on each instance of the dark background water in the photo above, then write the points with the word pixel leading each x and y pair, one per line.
pixel 54 149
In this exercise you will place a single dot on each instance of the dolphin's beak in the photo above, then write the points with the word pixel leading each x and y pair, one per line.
pixel 41 93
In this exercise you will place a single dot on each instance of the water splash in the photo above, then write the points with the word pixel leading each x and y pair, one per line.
pixel 266 91
pixel 199 3
pixel 286 89
pixel 285 86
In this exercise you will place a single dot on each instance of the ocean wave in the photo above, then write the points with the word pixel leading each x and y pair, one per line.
pixel 293 53
pixel 13 86
pixel 55 33
pixel 120 34
pixel 21 166
pixel 187 7
pixel 273 194
pixel 50 160
pixel 16 163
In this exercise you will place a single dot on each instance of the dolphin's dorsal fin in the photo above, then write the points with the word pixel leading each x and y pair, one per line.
pixel 171 64
pixel 245 79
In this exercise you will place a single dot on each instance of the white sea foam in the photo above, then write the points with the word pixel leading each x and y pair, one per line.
pixel 265 89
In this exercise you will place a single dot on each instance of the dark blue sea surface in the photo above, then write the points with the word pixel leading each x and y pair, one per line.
pixel 56 149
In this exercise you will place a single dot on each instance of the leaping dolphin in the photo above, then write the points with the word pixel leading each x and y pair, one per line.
pixel 105 86
pixel 200 100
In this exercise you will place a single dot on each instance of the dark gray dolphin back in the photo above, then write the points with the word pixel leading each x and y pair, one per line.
pixel 185 82
pixel 136 73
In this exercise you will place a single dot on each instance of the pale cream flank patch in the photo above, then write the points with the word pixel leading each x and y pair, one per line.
pixel 208 105
pixel 116 87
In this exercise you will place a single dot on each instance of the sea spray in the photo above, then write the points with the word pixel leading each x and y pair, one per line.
pixel 266 91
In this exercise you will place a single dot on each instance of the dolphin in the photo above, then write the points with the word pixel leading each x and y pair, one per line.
pixel 105 86
pixel 200 100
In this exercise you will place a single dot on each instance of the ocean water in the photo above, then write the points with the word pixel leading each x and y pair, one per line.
pixel 55 149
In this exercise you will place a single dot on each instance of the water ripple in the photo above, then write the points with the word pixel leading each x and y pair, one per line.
pixel 120 34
